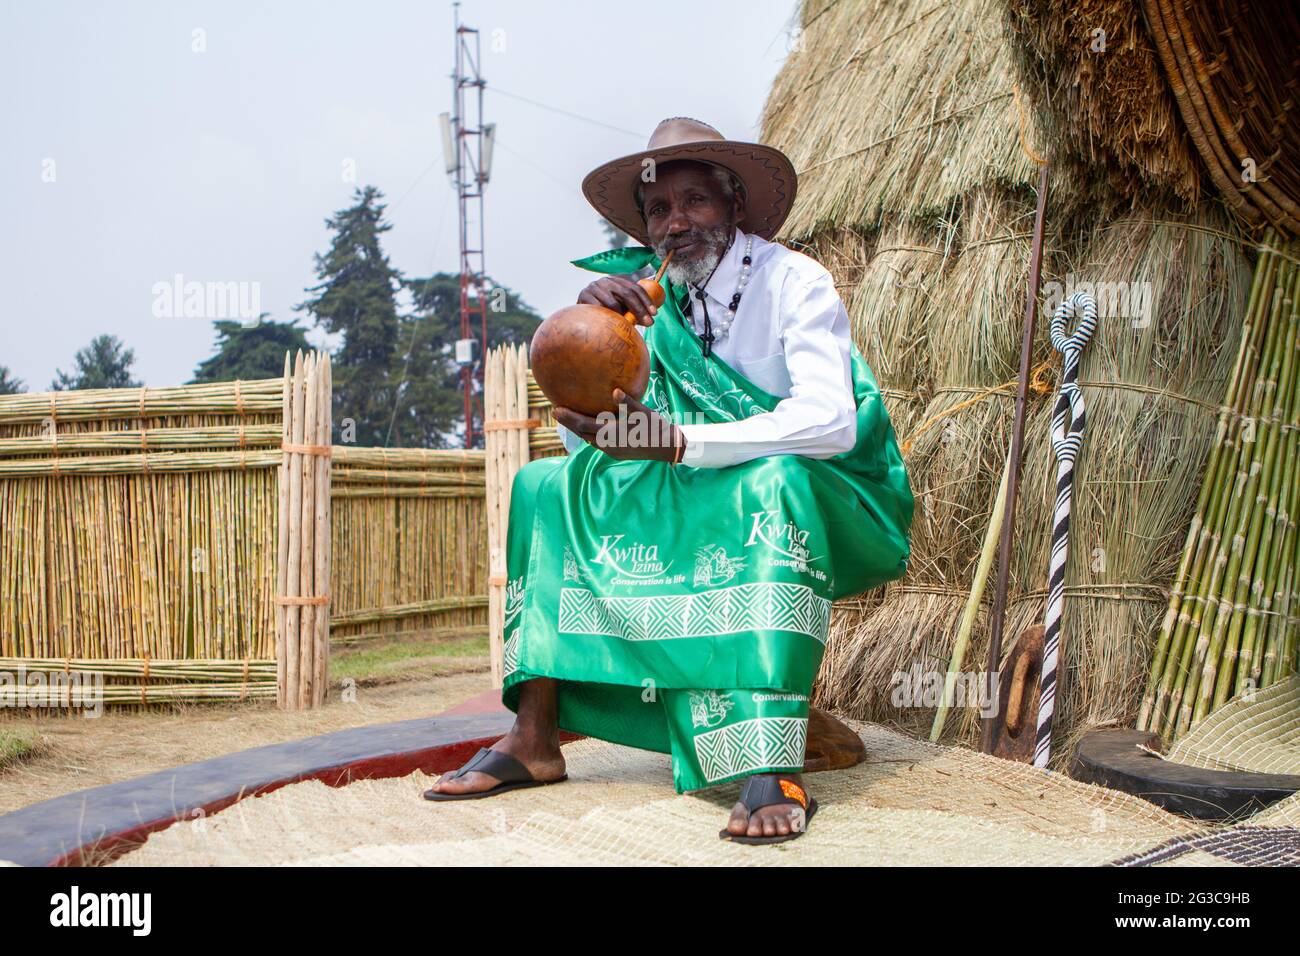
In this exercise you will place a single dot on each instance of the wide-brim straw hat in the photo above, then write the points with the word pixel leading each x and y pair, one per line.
pixel 768 176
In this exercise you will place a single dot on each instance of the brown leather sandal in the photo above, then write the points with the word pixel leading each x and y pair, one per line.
pixel 766 790
pixel 512 774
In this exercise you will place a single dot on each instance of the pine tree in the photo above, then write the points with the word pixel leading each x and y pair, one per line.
pixel 104 363
pixel 356 298
pixel 9 385
pixel 430 409
pixel 251 352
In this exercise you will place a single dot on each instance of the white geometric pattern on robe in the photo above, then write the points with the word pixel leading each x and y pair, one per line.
pixel 510 657
pixel 751 745
pixel 771 605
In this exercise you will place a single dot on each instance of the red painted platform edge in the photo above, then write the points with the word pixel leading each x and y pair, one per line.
pixel 438 759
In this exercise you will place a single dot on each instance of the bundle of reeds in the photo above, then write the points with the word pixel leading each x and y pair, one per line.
pixel 303 551
pixel 51 442
pixel 55 685
pixel 1232 68
pixel 1231 624
pixel 240 399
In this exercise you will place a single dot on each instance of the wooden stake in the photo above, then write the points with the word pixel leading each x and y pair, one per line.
pixel 307 568
pixel 495 448
pixel 324 433
pixel 294 563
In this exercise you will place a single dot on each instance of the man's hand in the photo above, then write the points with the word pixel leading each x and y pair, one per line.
pixel 648 436
pixel 620 294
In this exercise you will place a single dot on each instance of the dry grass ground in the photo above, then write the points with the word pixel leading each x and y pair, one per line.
pixel 402 680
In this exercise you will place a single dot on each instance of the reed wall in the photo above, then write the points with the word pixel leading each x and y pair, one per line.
pixel 139 526
pixel 139 538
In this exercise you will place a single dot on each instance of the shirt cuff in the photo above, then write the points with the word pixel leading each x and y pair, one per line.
pixel 703 454
pixel 568 439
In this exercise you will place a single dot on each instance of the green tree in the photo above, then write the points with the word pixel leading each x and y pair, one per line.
pixel 9 385
pixel 430 407
pixel 104 363
pixel 251 352
pixel 356 298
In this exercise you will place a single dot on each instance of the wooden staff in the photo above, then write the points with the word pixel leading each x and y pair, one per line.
pixel 1017 441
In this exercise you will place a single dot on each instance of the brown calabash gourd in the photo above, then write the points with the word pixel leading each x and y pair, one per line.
pixel 581 353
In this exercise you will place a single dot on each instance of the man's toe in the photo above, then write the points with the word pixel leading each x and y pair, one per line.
pixel 738 824
pixel 447 784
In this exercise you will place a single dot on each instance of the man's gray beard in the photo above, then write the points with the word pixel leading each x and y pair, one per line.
pixel 695 271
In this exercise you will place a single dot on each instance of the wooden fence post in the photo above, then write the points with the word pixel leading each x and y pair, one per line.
pixel 303 552
pixel 494 468
pixel 506 441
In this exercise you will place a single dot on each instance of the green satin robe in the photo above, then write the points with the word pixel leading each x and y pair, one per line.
pixel 685 610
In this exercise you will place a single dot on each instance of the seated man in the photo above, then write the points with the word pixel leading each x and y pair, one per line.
pixel 675 595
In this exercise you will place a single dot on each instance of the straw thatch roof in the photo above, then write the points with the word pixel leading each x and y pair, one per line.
pixel 1193 97
pixel 886 107
pixel 1095 77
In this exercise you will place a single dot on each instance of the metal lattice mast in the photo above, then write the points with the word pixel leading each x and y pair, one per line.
pixel 469 175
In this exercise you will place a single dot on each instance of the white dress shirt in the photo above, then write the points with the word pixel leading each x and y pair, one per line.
pixel 790 337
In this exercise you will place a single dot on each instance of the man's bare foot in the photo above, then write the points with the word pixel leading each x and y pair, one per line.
pixel 540 755
pixel 779 819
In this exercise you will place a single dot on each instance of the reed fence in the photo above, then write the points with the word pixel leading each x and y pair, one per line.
pixel 146 535
pixel 408 531
pixel 137 537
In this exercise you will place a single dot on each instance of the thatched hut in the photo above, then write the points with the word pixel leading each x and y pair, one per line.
pixel 918 130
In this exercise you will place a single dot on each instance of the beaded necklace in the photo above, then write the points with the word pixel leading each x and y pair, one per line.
pixel 708 336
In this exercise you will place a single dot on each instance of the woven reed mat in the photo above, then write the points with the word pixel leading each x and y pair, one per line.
pixel 911 803
pixel 1261 734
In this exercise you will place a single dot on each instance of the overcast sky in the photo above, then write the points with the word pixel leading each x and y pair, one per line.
pixel 129 156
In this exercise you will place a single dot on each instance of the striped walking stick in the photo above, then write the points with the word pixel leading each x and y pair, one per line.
pixel 1065 444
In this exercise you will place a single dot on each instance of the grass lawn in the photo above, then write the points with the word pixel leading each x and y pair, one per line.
pixel 17 743
pixel 408 658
